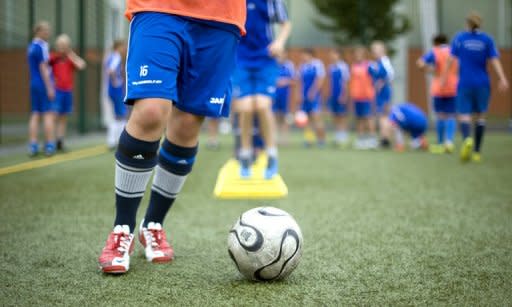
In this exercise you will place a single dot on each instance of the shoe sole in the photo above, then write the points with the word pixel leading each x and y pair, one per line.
pixel 114 269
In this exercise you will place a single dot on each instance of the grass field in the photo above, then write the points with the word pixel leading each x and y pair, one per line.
pixel 380 229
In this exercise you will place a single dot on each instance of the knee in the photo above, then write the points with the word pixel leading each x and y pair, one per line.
pixel 150 116
pixel 185 126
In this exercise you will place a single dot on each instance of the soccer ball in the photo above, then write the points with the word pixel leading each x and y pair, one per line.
pixel 301 119
pixel 265 244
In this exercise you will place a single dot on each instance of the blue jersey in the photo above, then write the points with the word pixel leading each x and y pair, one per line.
pixel 309 73
pixel 473 49
pixel 261 14
pixel 37 53
pixel 408 117
pixel 113 64
pixel 382 70
pixel 286 71
pixel 339 73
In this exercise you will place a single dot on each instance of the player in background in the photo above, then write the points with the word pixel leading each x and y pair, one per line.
pixel 116 91
pixel 42 91
pixel 64 61
pixel 180 57
pixel 434 61
pixel 339 75
pixel 474 48
pixel 406 118
pixel 312 74
pixel 255 78
pixel 383 73
pixel 281 106
pixel 362 95
pixel 213 133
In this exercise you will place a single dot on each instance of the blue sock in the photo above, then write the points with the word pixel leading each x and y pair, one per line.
pixel 465 128
pixel 135 160
pixel 451 123
pixel 174 164
pixel 440 129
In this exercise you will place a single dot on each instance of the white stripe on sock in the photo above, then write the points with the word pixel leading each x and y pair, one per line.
pixel 131 182
pixel 166 183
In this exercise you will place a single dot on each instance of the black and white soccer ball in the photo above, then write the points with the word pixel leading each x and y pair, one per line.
pixel 265 243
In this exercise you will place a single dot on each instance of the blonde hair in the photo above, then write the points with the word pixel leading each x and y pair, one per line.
pixel 63 39
pixel 41 25
pixel 474 20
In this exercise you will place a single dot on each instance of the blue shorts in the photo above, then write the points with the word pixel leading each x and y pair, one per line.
pixel 362 109
pixel 383 99
pixel 253 81
pixel 473 100
pixel 185 60
pixel 281 103
pixel 311 106
pixel 444 105
pixel 116 96
pixel 337 108
pixel 63 104
pixel 39 100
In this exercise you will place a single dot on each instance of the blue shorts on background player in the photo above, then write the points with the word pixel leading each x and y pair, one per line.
pixel 408 118
pixel 474 49
pixel 254 79
pixel 42 90
pixel 312 75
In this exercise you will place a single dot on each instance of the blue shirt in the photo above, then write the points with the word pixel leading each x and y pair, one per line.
pixel 382 70
pixel 339 73
pixel 113 64
pixel 309 72
pixel 286 71
pixel 408 116
pixel 261 14
pixel 37 53
pixel 473 49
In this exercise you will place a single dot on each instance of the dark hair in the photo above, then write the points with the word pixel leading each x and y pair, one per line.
pixel 440 39
pixel 118 43
pixel 309 51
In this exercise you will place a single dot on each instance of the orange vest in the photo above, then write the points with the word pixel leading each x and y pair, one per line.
pixel 361 84
pixel 227 11
pixel 449 89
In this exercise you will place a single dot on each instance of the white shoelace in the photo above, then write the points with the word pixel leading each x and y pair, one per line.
pixel 124 242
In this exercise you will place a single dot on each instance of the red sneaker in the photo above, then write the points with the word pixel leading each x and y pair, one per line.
pixel 154 240
pixel 115 256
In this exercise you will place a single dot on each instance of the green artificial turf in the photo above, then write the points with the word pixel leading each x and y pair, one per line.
pixel 379 228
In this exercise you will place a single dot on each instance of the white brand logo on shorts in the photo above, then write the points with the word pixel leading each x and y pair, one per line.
pixel 143 70
pixel 217 100
pixel 138 157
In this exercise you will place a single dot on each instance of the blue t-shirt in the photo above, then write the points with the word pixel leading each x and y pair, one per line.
pixel 309 72
pixel 339 73
pixel 473 49
pixel 113 64
pixel 37 53
pixel 408 116
pixel 286 71
pixel 382 70
pixel 261 14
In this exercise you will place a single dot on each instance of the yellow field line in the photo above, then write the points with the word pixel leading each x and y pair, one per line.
pixel 74 155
